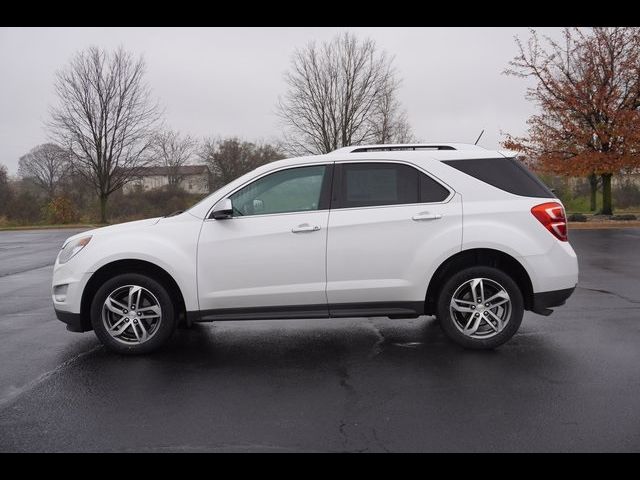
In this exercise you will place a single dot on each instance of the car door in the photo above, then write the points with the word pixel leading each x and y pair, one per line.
pixel 390 226
pixel 269 259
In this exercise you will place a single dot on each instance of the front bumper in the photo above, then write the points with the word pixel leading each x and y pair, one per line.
pixel 73 320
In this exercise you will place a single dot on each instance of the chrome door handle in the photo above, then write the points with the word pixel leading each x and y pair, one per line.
pixel 426 216
pixel 305 227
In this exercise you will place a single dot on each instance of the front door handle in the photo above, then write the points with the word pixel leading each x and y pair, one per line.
pixel 426 216
pixel 305 227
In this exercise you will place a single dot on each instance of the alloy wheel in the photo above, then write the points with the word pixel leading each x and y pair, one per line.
pixel 131 314
pixel 480 308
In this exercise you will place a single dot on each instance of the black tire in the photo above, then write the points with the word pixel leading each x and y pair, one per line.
pixel 448 323
pixel 166 325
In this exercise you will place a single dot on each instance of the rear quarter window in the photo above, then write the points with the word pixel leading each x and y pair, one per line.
pixel 507 174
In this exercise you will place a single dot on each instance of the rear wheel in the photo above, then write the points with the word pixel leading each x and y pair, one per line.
pixel 480 307
pixel 132 314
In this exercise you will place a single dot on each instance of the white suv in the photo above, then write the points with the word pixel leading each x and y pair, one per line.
pixel 451 230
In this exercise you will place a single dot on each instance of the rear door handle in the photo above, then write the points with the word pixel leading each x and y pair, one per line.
pixel 426 216
pixel 305 227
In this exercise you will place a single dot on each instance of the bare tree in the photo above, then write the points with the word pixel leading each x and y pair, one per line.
pixel 172 150
pixel 46 164
pixel 104 117
pixel 231 158
pixel 336 94
pixel 390 122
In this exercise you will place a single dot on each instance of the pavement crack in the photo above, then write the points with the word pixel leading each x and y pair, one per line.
pixel 375 437
pixel 343 434
pixel 351 399
pixel 608 292
pixel 379 345
pixel 14 393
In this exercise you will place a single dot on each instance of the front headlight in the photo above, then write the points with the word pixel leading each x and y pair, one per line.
pixel 71 248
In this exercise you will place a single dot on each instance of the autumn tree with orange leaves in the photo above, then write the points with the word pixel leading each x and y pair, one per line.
pixel 588 92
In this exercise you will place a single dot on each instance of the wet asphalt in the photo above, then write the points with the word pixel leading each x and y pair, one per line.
pixel 568 382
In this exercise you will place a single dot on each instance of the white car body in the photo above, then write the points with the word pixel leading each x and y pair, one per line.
pixel 360 261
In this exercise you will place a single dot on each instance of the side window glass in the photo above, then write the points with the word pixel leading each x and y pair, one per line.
pixel 293 190
pixel 376 184
pixel 430 190
pixel 379 184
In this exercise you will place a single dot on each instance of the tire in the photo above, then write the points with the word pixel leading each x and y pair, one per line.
pixel 492 328
pixel 155 316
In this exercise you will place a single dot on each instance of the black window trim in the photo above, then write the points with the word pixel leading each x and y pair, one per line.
pixel 324 203
pixel 337 181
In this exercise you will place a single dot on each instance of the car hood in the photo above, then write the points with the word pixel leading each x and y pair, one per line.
pixel 117 228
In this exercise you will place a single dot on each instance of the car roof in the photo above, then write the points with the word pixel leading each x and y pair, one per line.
pixel 411 152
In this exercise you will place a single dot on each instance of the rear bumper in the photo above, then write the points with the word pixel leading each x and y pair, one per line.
pixel 73 321
pixel 542 301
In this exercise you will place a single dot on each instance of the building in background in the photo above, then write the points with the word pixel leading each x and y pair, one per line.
pixel 190 178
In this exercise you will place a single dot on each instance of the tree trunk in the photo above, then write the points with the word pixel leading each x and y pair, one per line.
pixel 593 183
pixel 103 208
pixel 607 207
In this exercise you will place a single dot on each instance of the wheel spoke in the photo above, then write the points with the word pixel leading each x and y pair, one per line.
pixel 497 304
pixel 141 335
pixel 499 322
pixel 474 285
pixel 490 323
pixel 134 290
pixel 465 302
pixel 474 327
pixel 116 332
pixel 154 308
pixel 115 306
pixel 462 305
pixel 502 295
pixel 468 322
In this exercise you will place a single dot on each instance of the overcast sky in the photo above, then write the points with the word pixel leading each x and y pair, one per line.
pixel 226 81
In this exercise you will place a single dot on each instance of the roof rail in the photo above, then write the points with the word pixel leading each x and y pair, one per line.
pixel 407 146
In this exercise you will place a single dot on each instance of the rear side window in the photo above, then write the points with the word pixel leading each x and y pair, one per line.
pixel 378 184
pixel 430 190
pixel 507 174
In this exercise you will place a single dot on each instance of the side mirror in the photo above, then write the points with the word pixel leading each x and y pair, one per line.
pixel 223 209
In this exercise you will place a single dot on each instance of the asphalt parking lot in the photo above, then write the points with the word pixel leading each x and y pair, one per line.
pixel 568 382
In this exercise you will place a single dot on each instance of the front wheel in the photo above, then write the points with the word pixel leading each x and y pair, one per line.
pixel 132 314
pixel 480 307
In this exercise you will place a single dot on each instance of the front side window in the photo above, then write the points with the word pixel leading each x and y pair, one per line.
pixel 293 190
pixel 378 184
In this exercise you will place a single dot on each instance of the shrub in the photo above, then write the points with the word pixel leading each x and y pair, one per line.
pixel 139 204
pixel 25 207
pixel 626 216
pixel 626 195
pixel 577 217
pixel 60 210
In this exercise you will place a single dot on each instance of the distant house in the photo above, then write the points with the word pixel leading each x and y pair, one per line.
pixel 192 178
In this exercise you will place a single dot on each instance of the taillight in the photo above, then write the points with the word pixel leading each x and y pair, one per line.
pixel 552 216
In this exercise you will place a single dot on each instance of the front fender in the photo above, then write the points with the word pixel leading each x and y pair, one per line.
pixel 170 244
